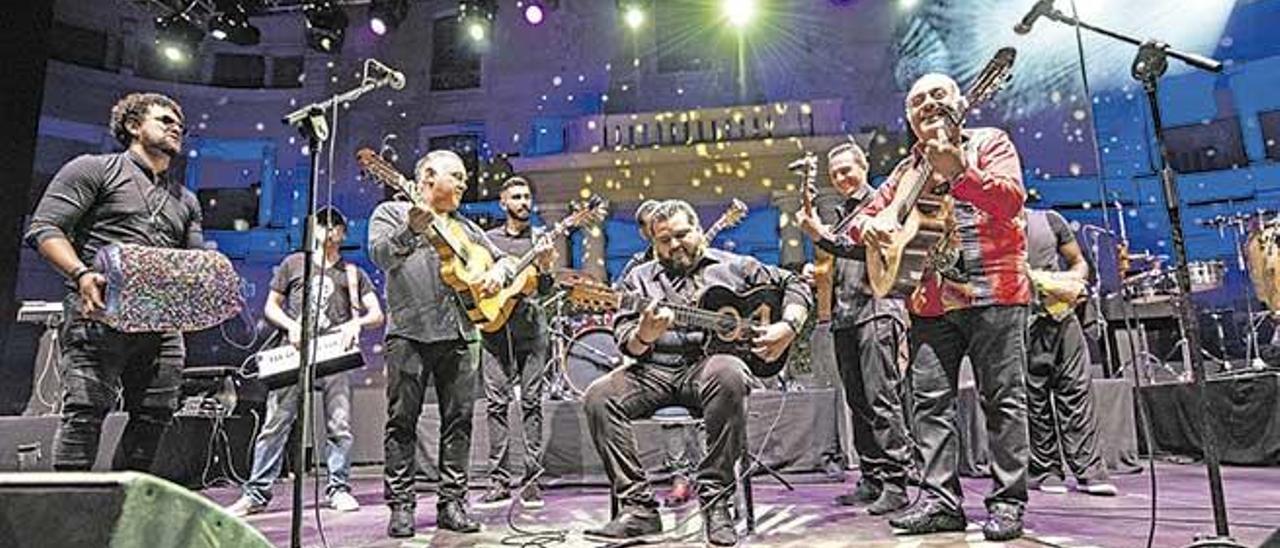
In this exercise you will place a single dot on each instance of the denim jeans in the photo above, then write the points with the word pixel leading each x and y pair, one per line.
pixel 101 366
pixel 282 409
pixel 1062 419
pixel 515 361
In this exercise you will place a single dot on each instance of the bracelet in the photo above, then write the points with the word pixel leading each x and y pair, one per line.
pixel 80 272
pixel 795 326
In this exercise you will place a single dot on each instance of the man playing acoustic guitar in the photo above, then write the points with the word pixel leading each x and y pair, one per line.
pixel 673 367
pixel 978 309
pixel 429 335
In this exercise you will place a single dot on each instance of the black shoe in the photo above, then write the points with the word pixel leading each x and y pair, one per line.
pixel 866 492
pixel 719 527
pixel 531 497
pixel 496 497
pixel 929 517
pixel 401 523
pixel 1004 522
pixel 452 516
pixel 892 499
pixel 630 523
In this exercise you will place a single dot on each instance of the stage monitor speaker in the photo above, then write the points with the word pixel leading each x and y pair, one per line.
pixel 118 509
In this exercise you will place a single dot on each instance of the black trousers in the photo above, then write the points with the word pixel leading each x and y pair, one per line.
pixel 868 356
pixel 410 365
pixel 1060 407
pixel 993 339
pixel 101 366
pixel 517 360
pixel 716 387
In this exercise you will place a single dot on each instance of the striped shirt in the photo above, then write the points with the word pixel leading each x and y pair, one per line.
pixel 986 228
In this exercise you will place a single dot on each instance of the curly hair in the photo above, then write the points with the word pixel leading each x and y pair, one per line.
pixel 132 108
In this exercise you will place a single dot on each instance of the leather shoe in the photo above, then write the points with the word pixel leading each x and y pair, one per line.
pixel 929 517
pixel 865 492
pixel 401 523
pixel 631 522
pixel 452 516
pixel 892 498
pixel 720 529
pixel 1004 522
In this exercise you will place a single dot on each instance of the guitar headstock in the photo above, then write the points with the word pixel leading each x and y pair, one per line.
pixel 593 211
pixel 736 212
pixel 594 297
pixel 993 78
pixel 382 171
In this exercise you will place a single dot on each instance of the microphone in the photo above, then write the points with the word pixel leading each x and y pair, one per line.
pixel 1043 7
pixel 392 77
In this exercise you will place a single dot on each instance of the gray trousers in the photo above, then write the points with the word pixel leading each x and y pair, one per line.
pixel 993 338
pixel 516 361
pixel 715 387
pixel 868 355
pixel 410 366
pixel 1061 415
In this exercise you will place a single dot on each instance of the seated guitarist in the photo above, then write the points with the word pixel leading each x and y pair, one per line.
pixel 672 368
pixel 1057 364
pixel 979 309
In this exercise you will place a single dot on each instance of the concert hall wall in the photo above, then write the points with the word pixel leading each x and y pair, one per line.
pixel 551 95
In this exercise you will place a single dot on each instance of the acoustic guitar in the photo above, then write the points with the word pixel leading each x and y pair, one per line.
pixel 464 264
pixel 729 219
pixel 823 262
pixel 898 265
pixel 725 315
pixel 1048 286
pixel 525 280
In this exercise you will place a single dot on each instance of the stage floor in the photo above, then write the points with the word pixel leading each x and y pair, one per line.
pixel 808 518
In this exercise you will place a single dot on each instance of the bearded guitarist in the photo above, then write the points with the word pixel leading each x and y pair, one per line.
pixel 1057 363
pixel 978 309
pixel 429 337
pixel 673 367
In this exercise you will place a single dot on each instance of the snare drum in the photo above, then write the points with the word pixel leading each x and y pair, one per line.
pixel 1206 275
pixel 590 355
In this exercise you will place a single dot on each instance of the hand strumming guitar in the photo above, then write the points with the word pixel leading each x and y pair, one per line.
pixel 420 219
pixel 772 340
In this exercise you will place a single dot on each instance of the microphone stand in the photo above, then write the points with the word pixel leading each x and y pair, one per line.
pixel 310 122
pixel 1149 65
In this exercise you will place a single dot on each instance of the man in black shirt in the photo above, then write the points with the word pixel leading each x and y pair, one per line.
pixel 519 350
pixel 91 202
pixel 340 291
pixel 428 335
pixel 870 341
pixel 673 368
pixel 1057 364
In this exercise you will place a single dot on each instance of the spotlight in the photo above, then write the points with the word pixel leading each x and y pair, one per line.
pixel 476 16
pixel 739 12
pixel 385 15
pixel 633 13
pixel 232 25
pixel 533 13
pixel 177 38
pixel 326 26
pixel 907 5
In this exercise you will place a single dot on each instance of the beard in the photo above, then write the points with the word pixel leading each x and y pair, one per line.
pixel 519 214
pixel 680 260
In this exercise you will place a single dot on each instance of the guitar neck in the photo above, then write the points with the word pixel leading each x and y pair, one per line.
pixel 685 316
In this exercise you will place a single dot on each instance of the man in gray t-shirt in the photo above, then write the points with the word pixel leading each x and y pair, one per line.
pixel 1057 363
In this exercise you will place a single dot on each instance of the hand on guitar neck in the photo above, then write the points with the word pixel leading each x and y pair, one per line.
pixel 768 341
pixel 946 157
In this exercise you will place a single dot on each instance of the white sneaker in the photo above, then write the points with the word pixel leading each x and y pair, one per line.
pixel 342 501
pixel 245 506
pixel 1103 489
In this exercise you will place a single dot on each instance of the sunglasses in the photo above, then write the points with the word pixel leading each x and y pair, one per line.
pixel 167 120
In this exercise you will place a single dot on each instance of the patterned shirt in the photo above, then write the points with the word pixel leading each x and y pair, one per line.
pixel 986 228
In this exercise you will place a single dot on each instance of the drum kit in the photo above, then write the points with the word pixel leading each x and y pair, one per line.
pixel 1149 282
pixel 583 348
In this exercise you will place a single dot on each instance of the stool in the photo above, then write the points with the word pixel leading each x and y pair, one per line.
pixel 680 416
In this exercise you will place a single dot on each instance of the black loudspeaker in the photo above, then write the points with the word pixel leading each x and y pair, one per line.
pixel 118 509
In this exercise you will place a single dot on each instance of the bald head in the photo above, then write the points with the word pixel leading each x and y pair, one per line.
pixel 929 101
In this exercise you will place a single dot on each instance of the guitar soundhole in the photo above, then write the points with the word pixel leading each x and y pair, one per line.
pixel 727 324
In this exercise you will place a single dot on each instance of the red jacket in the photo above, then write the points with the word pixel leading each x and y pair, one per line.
pixel 987 229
